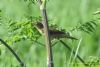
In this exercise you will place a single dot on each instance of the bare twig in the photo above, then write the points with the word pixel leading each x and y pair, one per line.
pixel 13 52
pixel 64 44
pixel 42 4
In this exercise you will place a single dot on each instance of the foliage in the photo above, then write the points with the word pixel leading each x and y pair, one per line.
pixel 64 15
pixel 20 30
pixel 93 61
pixel 87 27
pixel 23 30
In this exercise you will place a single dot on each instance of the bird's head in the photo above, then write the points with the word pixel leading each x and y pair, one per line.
pixel 39 25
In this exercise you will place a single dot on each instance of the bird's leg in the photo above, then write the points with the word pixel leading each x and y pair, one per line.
pixel 54 43
pixel 39 43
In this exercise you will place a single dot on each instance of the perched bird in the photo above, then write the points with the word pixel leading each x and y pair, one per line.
pixel 54 33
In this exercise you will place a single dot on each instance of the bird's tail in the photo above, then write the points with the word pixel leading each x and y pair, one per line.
pixel 73 38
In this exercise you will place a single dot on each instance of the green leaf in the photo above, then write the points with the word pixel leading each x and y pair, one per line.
pixel 94 23
pixel 87 27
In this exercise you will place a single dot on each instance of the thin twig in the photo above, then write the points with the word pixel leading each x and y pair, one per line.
pixel 13 52
pixel 64 44
pixel 42 4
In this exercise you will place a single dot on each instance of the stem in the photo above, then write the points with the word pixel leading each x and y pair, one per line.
pixel 64 44
pixel 42 5
pixel 13 52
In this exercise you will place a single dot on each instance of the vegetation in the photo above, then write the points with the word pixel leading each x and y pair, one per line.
pixel 17 31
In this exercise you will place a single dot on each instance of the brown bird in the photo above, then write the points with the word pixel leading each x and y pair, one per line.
pixel 54 33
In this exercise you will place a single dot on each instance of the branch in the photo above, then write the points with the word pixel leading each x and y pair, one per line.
pixel 13 52
pixel 42 4
pixel 64 44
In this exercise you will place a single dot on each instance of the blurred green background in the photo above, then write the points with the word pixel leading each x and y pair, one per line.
pixel 66 14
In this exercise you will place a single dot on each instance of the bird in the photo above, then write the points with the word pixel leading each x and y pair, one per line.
pixel 54 32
